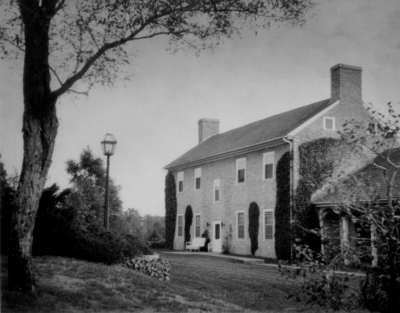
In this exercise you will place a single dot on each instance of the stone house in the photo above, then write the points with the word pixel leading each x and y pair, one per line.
pixel 225 172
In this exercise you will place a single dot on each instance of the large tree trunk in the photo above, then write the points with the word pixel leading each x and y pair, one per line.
pixel 39 132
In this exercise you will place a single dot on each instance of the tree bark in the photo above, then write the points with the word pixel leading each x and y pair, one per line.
pixel 40 125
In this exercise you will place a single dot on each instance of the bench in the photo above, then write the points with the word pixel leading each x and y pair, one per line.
pixel 196 244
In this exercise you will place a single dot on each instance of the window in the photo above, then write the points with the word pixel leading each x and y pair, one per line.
pixel 197 227
pixel 240 225
pixel 268 225
pixel 216 190
pixel 329 123
pixel 217 231
pixel 180 225
pixel 180 181
pixel 241 170
pixel 268 161
pixel 197 178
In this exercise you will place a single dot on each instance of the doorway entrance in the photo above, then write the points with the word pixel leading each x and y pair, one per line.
pixel 216 239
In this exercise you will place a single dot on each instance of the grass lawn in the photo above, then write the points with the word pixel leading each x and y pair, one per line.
pixel 198 284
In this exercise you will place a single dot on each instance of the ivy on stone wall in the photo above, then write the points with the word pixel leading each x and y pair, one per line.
pixel 317 162
pixel 283 235
pixel 170 210
pixel 254 224
pixel 188 222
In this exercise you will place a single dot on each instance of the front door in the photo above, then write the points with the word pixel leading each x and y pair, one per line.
pixel 217 240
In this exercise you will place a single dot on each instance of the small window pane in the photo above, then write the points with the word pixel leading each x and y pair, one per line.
pixel 241 225
pixel 197 226
pixel 180 226
pixel 241 176
pixel 329 123
pixel 180 186
pixel 217 194
pixel 217 231
pixel 268 171
pixel 269 226
pixel 198 181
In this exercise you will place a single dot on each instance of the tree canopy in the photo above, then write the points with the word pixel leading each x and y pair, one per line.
pixel 87 39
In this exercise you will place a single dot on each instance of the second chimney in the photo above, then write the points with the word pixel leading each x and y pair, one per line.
pixel 208 127
pixel 346 83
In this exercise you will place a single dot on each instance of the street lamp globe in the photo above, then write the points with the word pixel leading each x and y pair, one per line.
pixel 108 144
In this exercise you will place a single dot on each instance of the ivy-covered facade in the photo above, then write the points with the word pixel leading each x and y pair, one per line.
pixel 278 162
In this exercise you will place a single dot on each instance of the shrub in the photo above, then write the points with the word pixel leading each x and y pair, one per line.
pixel 57 232
pixel 157 268
pixel 282 209
pixel 227 241
pixel 95 244
pixel 188 222
pixel 170 210
pixel 254 224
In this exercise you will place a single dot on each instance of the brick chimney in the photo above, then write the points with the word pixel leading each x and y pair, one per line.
pixel 346 83
pixel 208 127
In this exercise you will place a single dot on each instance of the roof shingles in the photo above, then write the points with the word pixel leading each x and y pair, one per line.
pixel 277 126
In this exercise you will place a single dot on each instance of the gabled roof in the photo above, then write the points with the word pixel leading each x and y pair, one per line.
pixel 364 185
pixel 268 129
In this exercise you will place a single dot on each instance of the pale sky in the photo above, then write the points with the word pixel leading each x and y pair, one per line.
pixel 154 116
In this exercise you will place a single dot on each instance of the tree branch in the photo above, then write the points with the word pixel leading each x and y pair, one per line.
pixel 55 74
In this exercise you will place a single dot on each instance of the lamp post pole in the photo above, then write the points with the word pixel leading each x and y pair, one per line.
pixel 108 146
pixel 107 200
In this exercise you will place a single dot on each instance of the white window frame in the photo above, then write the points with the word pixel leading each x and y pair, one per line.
pixel 195 225
pixel 267 155
pixel 217 183
pixel 325 118
pixel 197 174
pixel 264 225
pixel 180 179
pixel 237 170
pixel 177 222
pixel 237 224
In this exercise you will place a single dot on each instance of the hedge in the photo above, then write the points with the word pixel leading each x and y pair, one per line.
pixel 283 236
pixel 254 224
pixel 170 210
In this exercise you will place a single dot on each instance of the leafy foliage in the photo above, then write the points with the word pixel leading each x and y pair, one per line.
pixel 128 222
pixel 369 199
pixel 188 222
pixel 53 222
pixel 88 39
pixel 154 224
pixel 283 235
pixel 88 177
pixel 321 284
pixel 254 225
pixel 59 231
pixel 170 210
pixel 227 241
pixel 317 163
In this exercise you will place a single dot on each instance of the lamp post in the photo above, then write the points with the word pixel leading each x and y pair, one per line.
pixel 108 145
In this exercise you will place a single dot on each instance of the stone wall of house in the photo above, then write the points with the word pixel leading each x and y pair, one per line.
pixel 234 197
